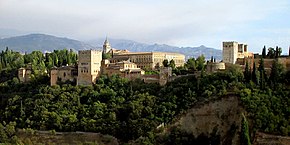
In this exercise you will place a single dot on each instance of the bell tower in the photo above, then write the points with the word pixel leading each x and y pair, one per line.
pixel 106 46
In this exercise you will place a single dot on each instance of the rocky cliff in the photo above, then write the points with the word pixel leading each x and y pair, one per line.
pixel 210 122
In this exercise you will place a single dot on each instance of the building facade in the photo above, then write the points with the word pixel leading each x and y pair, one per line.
pixel 89 66
pixel 24 74
pixel 63 74
pixel 230 52
pixel 150 60
pixel 233 50
pixel 125 69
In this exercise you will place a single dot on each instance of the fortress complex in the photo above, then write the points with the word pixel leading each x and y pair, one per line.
pixel 123 63
pixel 233 50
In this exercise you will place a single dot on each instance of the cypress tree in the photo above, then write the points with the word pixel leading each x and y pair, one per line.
pixel 254 74
pixel 264 52
pixel 262 73
pixel 247 72
pixel 276 73
pixel 250 73
pixel 277 52
pixel 245 137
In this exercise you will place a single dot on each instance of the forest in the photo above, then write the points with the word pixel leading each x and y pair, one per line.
pixel 129 110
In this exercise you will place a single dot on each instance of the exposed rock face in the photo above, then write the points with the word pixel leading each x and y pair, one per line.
pixel 267 139
pixel 71 138
pixel 221 118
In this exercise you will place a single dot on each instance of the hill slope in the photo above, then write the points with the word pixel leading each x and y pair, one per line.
pixel 210 122
pixel 42 42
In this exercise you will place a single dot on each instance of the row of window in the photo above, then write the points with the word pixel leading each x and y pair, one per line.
pixel 142 56
pixel 142 60
pixel 129 66
pixel 86 71
pixel 228 45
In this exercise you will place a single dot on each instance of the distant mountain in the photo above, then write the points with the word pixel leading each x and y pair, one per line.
pixel 141 47
pixel 42 42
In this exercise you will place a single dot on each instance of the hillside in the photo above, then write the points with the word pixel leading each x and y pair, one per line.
pixel 42 42
pixel 208 122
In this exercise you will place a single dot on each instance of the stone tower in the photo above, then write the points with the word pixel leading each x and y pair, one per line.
pixel 106 46
pixel 230 52
pixel 89 66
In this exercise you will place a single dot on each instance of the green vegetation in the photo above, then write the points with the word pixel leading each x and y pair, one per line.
pixel 131 110
pixel 245 137
pixel 272 52
pixel 191 66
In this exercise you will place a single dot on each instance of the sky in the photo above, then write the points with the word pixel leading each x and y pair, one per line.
pixel 173 22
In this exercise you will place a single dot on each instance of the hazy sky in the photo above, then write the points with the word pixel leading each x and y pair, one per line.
pixel 173 22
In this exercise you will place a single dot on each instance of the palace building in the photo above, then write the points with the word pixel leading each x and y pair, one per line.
pixel 150 60
pixel 125 69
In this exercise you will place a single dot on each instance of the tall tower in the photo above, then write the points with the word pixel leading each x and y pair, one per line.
pixel 89 66
pixel 230 52
pixel 106 46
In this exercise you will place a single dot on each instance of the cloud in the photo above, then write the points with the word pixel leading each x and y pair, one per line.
pixel 174 22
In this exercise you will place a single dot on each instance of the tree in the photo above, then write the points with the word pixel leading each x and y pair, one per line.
pixel 200 62
pixel 247 72
pixel 264 52
pixel 106 55
pixel 254 74
pixel 276 52
pixel 191 64
pixel 245 137
pixel 235 73
pixel 262 73
pixel 279 51
pixel 271 52
pixel 165 63
pixel 172 64
pixel 276 73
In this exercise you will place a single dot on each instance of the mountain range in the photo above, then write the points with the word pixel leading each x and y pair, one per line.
pixel 44 43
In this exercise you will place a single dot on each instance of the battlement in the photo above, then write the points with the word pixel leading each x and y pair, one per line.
pixel 233 50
